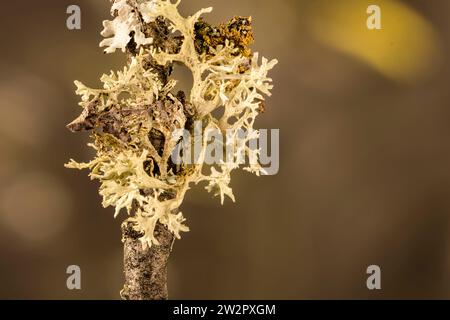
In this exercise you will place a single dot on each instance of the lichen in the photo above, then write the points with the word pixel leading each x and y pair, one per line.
pixel 136 120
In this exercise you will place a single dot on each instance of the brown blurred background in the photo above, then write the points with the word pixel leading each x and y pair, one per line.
pixel 365 159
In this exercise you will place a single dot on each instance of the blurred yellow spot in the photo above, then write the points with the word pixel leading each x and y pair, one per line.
pixel 405 48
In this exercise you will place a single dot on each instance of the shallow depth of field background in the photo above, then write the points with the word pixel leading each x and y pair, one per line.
pixel 365 159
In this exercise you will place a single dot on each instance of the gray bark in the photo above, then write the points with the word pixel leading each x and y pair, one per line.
pixel 145 269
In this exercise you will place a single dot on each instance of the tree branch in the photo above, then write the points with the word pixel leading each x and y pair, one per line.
pixel 145 269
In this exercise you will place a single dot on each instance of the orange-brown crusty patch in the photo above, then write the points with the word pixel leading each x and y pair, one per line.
pixel 237 31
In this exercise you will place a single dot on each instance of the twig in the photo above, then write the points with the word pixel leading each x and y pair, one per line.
pixel 145 269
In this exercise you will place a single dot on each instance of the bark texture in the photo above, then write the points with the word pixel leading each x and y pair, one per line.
pixel 145 269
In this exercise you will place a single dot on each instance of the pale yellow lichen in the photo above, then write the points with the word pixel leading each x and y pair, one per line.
pixel 133 103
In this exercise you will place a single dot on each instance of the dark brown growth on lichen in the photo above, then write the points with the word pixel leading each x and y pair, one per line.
pixel 163 40
pixel 237 31
pixel 145 269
